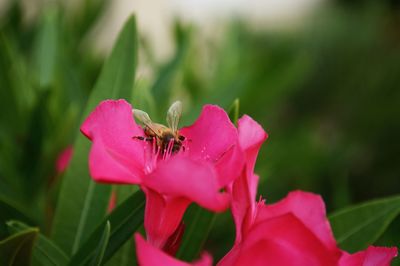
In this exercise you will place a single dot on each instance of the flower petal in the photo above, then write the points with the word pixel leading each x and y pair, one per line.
pixel 211 135
pixel 194 180
pixel 372 256
pixel 243 203
pixel 115 157
pixel 147 255
pixel 309 208
pixel 162 216
pixel 230 165
pixel 251 137
pixel 244 189
pixel 281 240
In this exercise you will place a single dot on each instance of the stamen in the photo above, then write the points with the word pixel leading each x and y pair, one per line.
pixel 151 156
pixel 153 153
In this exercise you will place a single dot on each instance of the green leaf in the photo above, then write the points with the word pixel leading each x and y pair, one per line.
pixel 198 225
pixel 11 210
pixel 359 226
pixel 82 203
pixel 45 252
pixel 98 257
pixel 87 15
pixel 166 75
pixel 125 220
pixel 46 47
pixel 17 249
pixel 234 111
pixel 125 255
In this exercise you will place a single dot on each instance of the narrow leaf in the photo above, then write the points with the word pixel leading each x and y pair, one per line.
pixel 11 210
pixel 162 86
pixel 125 220
pixel 125 255
pixel 359 226
pixel 46 47
pixel 198 226
pixel 98 256
pixel 45 252
pixel 234 111
pixel 17 249
pixel 82 203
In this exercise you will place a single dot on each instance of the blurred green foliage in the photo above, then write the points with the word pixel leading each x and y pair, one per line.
pixel 326 92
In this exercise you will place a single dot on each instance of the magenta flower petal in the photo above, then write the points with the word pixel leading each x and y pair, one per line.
pixel 282 240
pixel 211 135
pixel 230 165
pixel 148 255
pixel 187 178
pixel 244 189
pixel 243 203
pixel 372 256
pixel 251 137
pixel 309 208
pixel 115 157
pixel 163 215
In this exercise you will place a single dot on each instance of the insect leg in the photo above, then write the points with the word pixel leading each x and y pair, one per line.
pixel 143 138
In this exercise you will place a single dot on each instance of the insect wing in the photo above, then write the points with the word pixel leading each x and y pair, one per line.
pixel 173 115
pixel 144 118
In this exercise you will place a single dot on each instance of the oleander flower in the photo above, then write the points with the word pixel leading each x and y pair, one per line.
pixel 295 231
pixel 291 232
pixel 210 160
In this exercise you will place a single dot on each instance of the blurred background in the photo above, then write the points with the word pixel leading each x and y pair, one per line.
pixel 321 76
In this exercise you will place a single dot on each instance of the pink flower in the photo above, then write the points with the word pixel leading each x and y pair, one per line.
pixel 210 160
pixel 295 231
pixel 244 189
pixel 64 159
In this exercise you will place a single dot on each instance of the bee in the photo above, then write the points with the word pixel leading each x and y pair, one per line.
pixel 163 135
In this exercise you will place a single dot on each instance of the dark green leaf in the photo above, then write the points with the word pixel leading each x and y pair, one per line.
pixel 82 203
pixel 359 226
pixel 198 225
pixel 17 249
pixel 11 210
pixel 125 220
pixel 125 255
pixel 45 252
pixel 234 111
pixel 98 256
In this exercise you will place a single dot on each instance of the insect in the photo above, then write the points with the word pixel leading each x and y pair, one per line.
pixel 162 134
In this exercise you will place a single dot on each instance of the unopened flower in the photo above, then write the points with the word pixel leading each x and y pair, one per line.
pixel 63 159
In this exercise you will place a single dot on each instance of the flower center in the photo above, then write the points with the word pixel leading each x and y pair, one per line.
pixel 154 152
